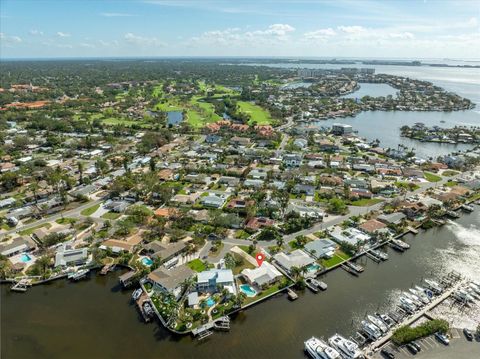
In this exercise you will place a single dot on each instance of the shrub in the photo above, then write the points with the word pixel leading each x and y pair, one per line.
pixel 406 333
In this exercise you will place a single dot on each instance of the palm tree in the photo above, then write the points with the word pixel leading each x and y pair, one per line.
pixel 80 167
pixel 295 272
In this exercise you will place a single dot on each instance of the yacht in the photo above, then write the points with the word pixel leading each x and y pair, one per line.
pixel 318 349
pixel 463 296
pixel 378 323
pixel 475 288
pixel 400 243
pixel 408 305
pixel 137 293
pixel 371 330
pixel 434 286
pixel 380 254
pixel 386 319
pixel 349 349
pixel 427 292
pixel 420 295
pixel 413 298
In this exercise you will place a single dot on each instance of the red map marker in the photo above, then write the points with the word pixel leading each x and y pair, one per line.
pixel 259 257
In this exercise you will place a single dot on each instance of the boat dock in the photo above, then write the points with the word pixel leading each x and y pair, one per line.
pixel 21 286
pixel 107 268
pixel 373 257
pixel 413 230
pixel 291 294
pixel 143 298
pixel 204 331
pixel 409 319
pixel 349 270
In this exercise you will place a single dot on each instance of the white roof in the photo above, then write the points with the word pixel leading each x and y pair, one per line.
pixel 297 258
pixel 220 276
pixel 263 274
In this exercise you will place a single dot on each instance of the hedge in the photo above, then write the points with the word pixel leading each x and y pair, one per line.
pixel 406 333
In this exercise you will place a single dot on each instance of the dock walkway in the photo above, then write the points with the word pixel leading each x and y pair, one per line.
pixel 413 318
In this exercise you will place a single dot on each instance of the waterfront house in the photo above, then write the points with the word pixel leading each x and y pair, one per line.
pixel 212 280
pixel 321 248
pixel 170 280
pixel 297 258
pixel 339 129
pixel 392 218
pixel 372 226
pixel 16 246
pixel 262 276
pixel 349 235
pixel 68 256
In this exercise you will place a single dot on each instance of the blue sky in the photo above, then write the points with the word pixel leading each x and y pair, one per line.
pixel 342 28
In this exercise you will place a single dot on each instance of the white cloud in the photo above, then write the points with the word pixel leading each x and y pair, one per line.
pixel 279 29
pixel 402 35
pixel 115 14
pixel 142 41
pixel 62 34
pixel 87 45
pixel 36 33
pixel 352 29
pixel 321 34
pixel 8 41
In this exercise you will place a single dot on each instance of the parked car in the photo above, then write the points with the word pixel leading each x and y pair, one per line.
pixel 411 348
pixel 387 354
pixel 416 345
pixel 442 338
pixel 468 334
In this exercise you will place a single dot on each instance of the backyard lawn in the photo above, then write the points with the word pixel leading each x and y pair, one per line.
pixel 90 210
pixel 29 231
pixel 338 257
pixel 111 215
pixel 430 177
pixel 196 265
pixel 66 220
pixel 366 202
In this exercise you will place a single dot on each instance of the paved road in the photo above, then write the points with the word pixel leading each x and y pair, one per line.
pixel 74 213
pixel 459 348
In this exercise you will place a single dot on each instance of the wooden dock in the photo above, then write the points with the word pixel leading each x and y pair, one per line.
pixel 107 268
pixel 21 286
pixel 291 294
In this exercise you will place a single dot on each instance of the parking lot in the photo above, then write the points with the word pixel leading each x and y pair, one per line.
pixel 459 348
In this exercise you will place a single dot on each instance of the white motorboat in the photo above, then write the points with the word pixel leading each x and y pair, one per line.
pixel 378 323
pixel 408 305
pixel 420 295
pixel 137 293
pixel 427 292
pixel 462 296
pixel 371 330
pixel 347 348
pixel 413 298
pixel 386 319
pixel 318 349
pixel 379 254
pixel 434 286
pixel 475 288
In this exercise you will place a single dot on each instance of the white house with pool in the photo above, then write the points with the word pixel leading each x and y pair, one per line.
pixel 296 258
pixel 262 276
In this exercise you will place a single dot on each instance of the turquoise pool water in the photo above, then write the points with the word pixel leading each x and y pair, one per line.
pixel 248 290
pixel 210 302
pixel 313 267
pixel 147 261
pixel 25 258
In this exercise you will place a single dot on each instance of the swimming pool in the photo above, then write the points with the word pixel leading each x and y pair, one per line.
pixel 248 290
pixel 210 302
pixel 25 258
pixel 313 267
pixel 147 261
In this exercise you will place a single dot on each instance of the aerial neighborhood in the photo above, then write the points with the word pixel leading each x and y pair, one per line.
pixel 181 181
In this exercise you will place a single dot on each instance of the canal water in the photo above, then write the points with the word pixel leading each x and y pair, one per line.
pixel 95 319
pixel 373 90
